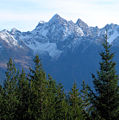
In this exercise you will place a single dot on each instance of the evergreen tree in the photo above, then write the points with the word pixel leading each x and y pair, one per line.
pixel 75 104
pixel 86 105
pixel 105 99
pixel 23 96
pixel 2 106
pixel 38 85
pixel 50 99
pixel 10 91
pixel 61 106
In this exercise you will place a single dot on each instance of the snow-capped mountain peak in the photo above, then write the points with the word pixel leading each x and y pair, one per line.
pixel 84 27
pixel 81 23
pixel 57 19
pixel 8 38
pixel 112 32
pixel 40 24
pixel 57 35
pixel 14 30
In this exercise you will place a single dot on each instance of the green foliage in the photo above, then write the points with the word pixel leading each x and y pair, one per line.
pixel 105 99
pixel 33 96
pixel 86 105
pixel 51 99
pixel 61 107
pixel 76 112
pixel 9 92
pixel 38 90
pixel 23 97
pixel 2 105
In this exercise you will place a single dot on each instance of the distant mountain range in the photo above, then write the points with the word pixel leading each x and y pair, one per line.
pixel 69 51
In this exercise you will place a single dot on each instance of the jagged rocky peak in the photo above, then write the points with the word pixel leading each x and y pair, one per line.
pixel 112 32
pixel 14 31
pixel 58 34
pixel 54 23
pixel 81 23
pixel 110 26
pixel 4 30
pixel 40 24
pixel 84 27
pixel 8 38
pixel 57 19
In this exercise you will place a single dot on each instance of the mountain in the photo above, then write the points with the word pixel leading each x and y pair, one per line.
pixel 69 51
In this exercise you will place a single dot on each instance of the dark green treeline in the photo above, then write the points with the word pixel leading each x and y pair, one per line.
pixel 34 96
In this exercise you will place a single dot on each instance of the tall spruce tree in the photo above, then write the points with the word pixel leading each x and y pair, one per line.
pixel 38 84
pixel 105 97
pixel 75 102
pixel 61 106
pixel 10 92
pixel 85 101
pixel 23 97
pixel 2 106
pixel 50 99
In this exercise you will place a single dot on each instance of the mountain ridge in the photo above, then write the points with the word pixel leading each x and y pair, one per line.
pixel 63 46
pixel 49 35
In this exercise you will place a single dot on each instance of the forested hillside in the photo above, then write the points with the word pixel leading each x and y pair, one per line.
pixel 36 96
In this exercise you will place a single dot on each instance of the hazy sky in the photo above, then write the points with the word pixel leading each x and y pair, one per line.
pixel 25 14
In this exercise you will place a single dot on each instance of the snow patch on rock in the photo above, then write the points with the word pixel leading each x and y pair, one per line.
pixel 8 38
pixel 113 37
pixel 50 48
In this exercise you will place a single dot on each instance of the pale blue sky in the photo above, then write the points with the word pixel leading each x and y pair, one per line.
pixel 25 14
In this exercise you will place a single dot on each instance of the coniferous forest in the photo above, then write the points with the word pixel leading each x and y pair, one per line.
pixel 36 96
